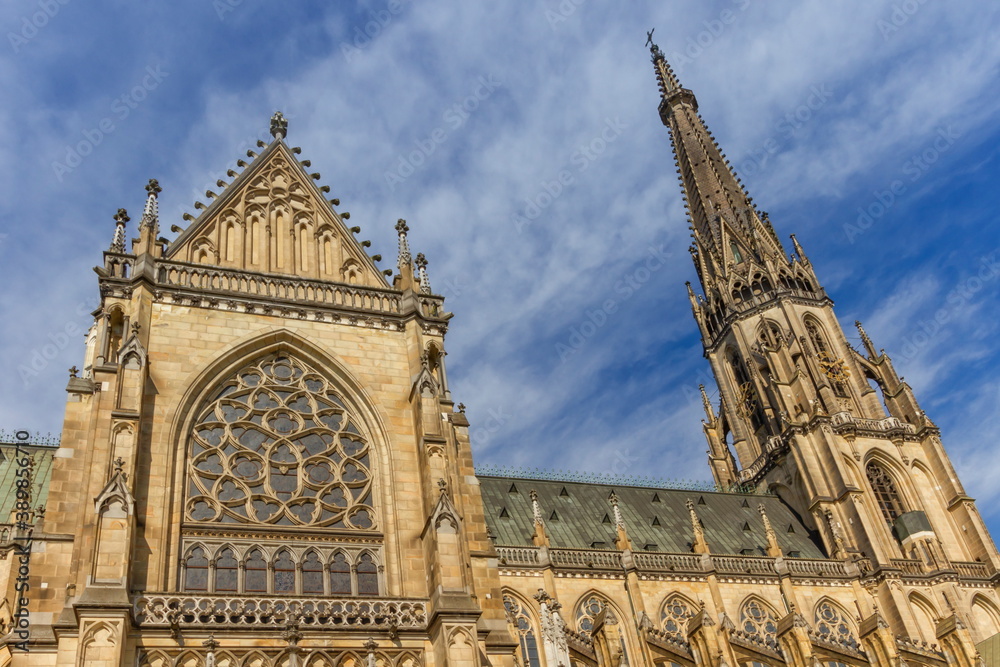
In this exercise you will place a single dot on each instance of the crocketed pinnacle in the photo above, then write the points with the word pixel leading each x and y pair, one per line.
pixel 405 260
pixel 151 212
pixel 279 125
pixel 118 240
pixel 425 282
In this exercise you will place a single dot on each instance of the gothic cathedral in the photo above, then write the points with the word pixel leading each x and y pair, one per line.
pixel 261 465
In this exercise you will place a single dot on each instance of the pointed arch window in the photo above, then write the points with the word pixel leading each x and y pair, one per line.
pixel 748 402
pixel 284 573
pixel 825 356
pixel 758 620
pixel 831 622
pixel 518 616
pixel 255 573
pixel 312 574
pixel 674 616
pixel 226 572
pixel 196 570
pixel 737 255
pixel 367 575
pixel 340 575
pixel 278 445
pixel 885 491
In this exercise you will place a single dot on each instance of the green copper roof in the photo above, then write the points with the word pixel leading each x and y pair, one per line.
pixel 8 476
pixel 990 651
pixel 579 516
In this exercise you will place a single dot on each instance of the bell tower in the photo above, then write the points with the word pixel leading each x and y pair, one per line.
pixel 833 430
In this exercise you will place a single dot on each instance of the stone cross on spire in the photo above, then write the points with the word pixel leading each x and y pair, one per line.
pixel 425 282
pixel 279 125
pixel 118 241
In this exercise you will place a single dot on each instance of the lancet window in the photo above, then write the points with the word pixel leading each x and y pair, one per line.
pixel 278 445
pixel 518 617
pixel 674 616
pixel 885 491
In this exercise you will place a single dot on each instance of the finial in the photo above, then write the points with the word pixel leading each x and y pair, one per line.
pixel 869 346
pixel 404 245
pixel 653 48
pixel 153 187
pixel 279 125
pixel 210 644
pixel 73 371
pixel 798 249
pixel 461 408
pixel 118 240
pixel 425 282
pixel 443 486
pixel 119 465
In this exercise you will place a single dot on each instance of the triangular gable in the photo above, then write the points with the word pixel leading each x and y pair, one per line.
pixel 274 219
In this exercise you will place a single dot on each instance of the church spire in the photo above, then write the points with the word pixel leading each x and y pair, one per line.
pixel 728 231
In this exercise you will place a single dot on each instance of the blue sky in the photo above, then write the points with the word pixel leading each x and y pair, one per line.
pixel 827 109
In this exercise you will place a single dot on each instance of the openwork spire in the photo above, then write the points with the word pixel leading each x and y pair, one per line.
pixel 405 259
pixel 425 282
pixel 279 125
pixel 151 212
pixel 118 241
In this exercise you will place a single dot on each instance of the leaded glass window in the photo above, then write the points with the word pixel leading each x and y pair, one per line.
pixel 885 492
pixel 312 574
pixel 196 570
pixel 831 622
pixel 255 573
pixel 519 618
pixel 278 445
pixel 367 575
pixel 674 616
pixel 284 573
pixel 340 575
pixel 226 572
pixel 758 619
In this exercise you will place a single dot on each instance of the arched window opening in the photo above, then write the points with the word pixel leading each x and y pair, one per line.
pixel 674 616
pixel 284 573
pixel 312 574
pixel 588 611
pixel 758 619
pixel 367 575
pixel 340 575
pixel 518 617
pixel 226 572
pixel 884 488
pixel 278 445
pixel 196 570
pixel 255 573
pixel 831 622
pixel 748 402
pixel 737 255
pixel 833 367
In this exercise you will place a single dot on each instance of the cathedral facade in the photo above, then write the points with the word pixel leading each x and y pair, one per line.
pixel 261 465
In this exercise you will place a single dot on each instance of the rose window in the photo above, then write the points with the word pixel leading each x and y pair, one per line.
pixel 278 445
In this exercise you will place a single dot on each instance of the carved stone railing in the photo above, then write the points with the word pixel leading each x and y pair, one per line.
pixel 829 641
pixel 518 556
pixel 921 648
pixel 184 275
pixel 773 446
pixel 589 559
pixel 972 570
pixel 908 566
pixel 864 564
pixel 845 421
pixel 177 609
pixel 656 562
pixel 808 567
pixel 580 643
pixel 670 640
pixel 118 264
pixel 755 642
pixel 744 565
